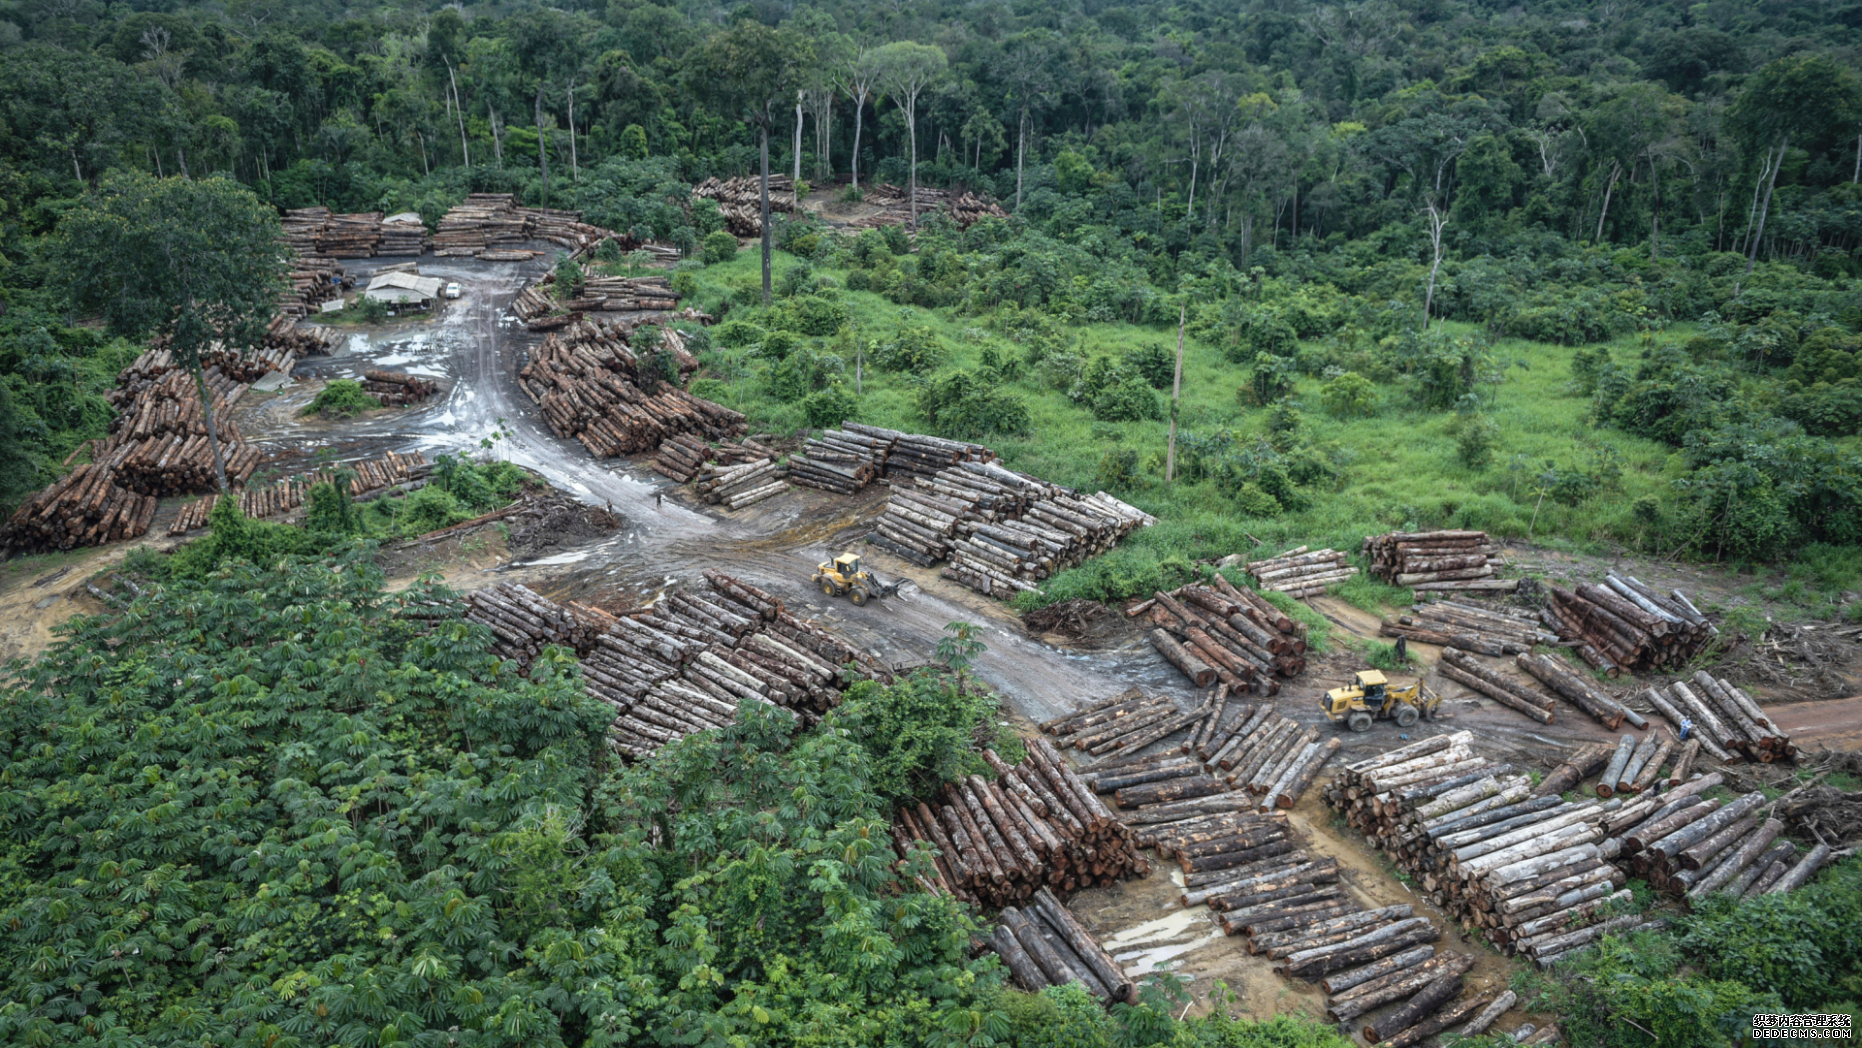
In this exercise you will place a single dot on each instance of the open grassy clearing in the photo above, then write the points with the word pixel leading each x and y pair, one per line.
pixel 1397 468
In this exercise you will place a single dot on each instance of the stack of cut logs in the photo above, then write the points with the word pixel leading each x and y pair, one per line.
pixel 583 380
pixel 686 664
pixel 1270 757
pixel 1519 864
pixel 744 484
pixel 317 231
pixel 1046 945
pixel 1301 572
pixel 402 237
pixel 523 623
pixel 1692 847
pixel 740 201
pixel 1036 824
pixel 158 441
pixel 625 294
pixel 1728 724
pixel 892 453
pixel 999 528
pixel 396 389
pixel 1224 632
pixel 840 460
pixel 1551 671
pixel 393 473
pixel 487 219
pixel 610 339
pixel 1484 629
pixel 682 455
pixel 286 340
pixel 1624 625
pixel 85 507
pixel 895 204
pixel 313 281
pixel 1437 560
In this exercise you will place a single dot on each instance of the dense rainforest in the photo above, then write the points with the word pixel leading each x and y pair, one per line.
pixel 1577 272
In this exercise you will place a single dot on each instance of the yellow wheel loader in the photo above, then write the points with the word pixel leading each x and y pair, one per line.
pixel 1371 698
pixel 844 577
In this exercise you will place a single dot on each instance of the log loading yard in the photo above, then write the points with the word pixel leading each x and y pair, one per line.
pixel 1185 805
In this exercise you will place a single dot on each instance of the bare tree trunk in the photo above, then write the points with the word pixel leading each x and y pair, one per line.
pixel 765 212
pixel 422 139
pixel 1857 176
pixel 1021 150
pixel 1189 213
pixel 465 150
pixel 181 155
pixel 575 168
pixel 911 130
pixel 213 429
pixel 1437 221
pixel 1758 236
pixel 497 135
pixel 543 153
pixel 859 118
pixel 1616 172
pixel 1176 393
pixel 795 184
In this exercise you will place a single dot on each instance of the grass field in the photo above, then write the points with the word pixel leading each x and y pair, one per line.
pixel 1400 468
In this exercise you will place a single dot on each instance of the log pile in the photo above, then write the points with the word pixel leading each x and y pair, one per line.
pixel 740 201
pixel 906 456
pixel 583 380
pixel 402 238
pixel 85 507
pixel 313 281
pixel 396 389
pixel 393 472
pixel 1483 629
pixel 1046 945
pixel 1220 631
pixel 1001 531
pixel 1690 846
pixel 1579 690
pixel 686 664
pixel 286 340
pixel 1624 625
pixel 1519 867
pixel 487 224
pixel 1301 572
pixel 1034 826
pixel 841 460
pixel 1437 560
pixel 1723 718
pixel 744 484
pixel 1470 673
pixel 894 203
pixel 682 455
pixel 625 294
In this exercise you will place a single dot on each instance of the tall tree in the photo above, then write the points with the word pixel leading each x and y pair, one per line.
pixel 1799 98
pixel 194 260
pixel 856 73
pixel 1029 73
pixel 752 71
pixel 907 69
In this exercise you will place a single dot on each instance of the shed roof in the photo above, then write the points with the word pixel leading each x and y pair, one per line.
pixel 392 286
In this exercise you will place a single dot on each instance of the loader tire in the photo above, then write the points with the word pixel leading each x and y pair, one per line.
pixel 1407 716
pixel 1359 722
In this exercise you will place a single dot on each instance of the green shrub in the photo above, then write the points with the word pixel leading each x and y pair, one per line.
pixel 1127 401
pixel 964 406
pixel 736 334
pixel 802 372
pixel 859 280
pixel 809 315
pixel 1271 377
pixel 778 345
pixel 1118 470
pixel 343 398
pixel 1155 362
pixel 569 278
pixel 719 247
pixel 1349 395
pixel 1475 441
pixel 830 407
pixel 919 731
pixel 915 349
pixel 1256 329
